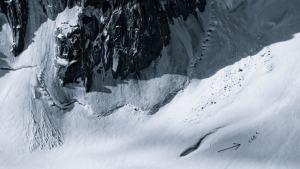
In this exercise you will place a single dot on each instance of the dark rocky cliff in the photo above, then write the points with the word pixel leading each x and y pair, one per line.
pixel 17 15
pixel 120 37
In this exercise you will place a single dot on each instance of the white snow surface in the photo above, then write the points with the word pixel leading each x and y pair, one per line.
pixel 245 89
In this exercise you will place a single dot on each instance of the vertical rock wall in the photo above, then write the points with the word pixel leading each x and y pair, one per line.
pixel 120 37
pixel 17 15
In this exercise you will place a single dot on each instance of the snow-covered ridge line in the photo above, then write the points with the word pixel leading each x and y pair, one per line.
pixel 62 106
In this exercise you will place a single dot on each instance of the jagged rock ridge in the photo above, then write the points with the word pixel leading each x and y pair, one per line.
pixel 117 37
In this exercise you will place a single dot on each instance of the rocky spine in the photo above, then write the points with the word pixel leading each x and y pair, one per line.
pixel 117 37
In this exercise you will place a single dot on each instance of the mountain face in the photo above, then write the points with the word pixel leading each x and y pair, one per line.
pixel 117 37
pixel 102 55
pixel 182 84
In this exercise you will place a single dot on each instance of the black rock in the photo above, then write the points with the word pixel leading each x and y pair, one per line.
pixel 17 16
pixel 130 35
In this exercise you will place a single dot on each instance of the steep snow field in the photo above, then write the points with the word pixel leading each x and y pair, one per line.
pixel 242 87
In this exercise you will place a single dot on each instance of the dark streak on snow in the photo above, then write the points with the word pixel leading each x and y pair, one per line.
pixel 16 69
pixel 65 105
pixel 197 145
pixel 110 111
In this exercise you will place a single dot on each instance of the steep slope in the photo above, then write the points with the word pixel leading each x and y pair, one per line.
pixel 71 56
pixel 239 84
pixel 43 96
pixel 117 37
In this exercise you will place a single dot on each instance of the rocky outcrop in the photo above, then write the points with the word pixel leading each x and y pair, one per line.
pixel 2 7
pixel 16 12
pixel 121 37
pixel 53 7
pixel 17 15
pixel 112 36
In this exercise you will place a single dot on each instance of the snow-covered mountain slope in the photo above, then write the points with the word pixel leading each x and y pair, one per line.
pixel 240 85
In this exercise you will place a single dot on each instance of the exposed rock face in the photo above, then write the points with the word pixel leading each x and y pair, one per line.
pixel 120 37
pixel 112 36
pixel 17 15
pixel 2 7
pixel 16 12
pixel 53 7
